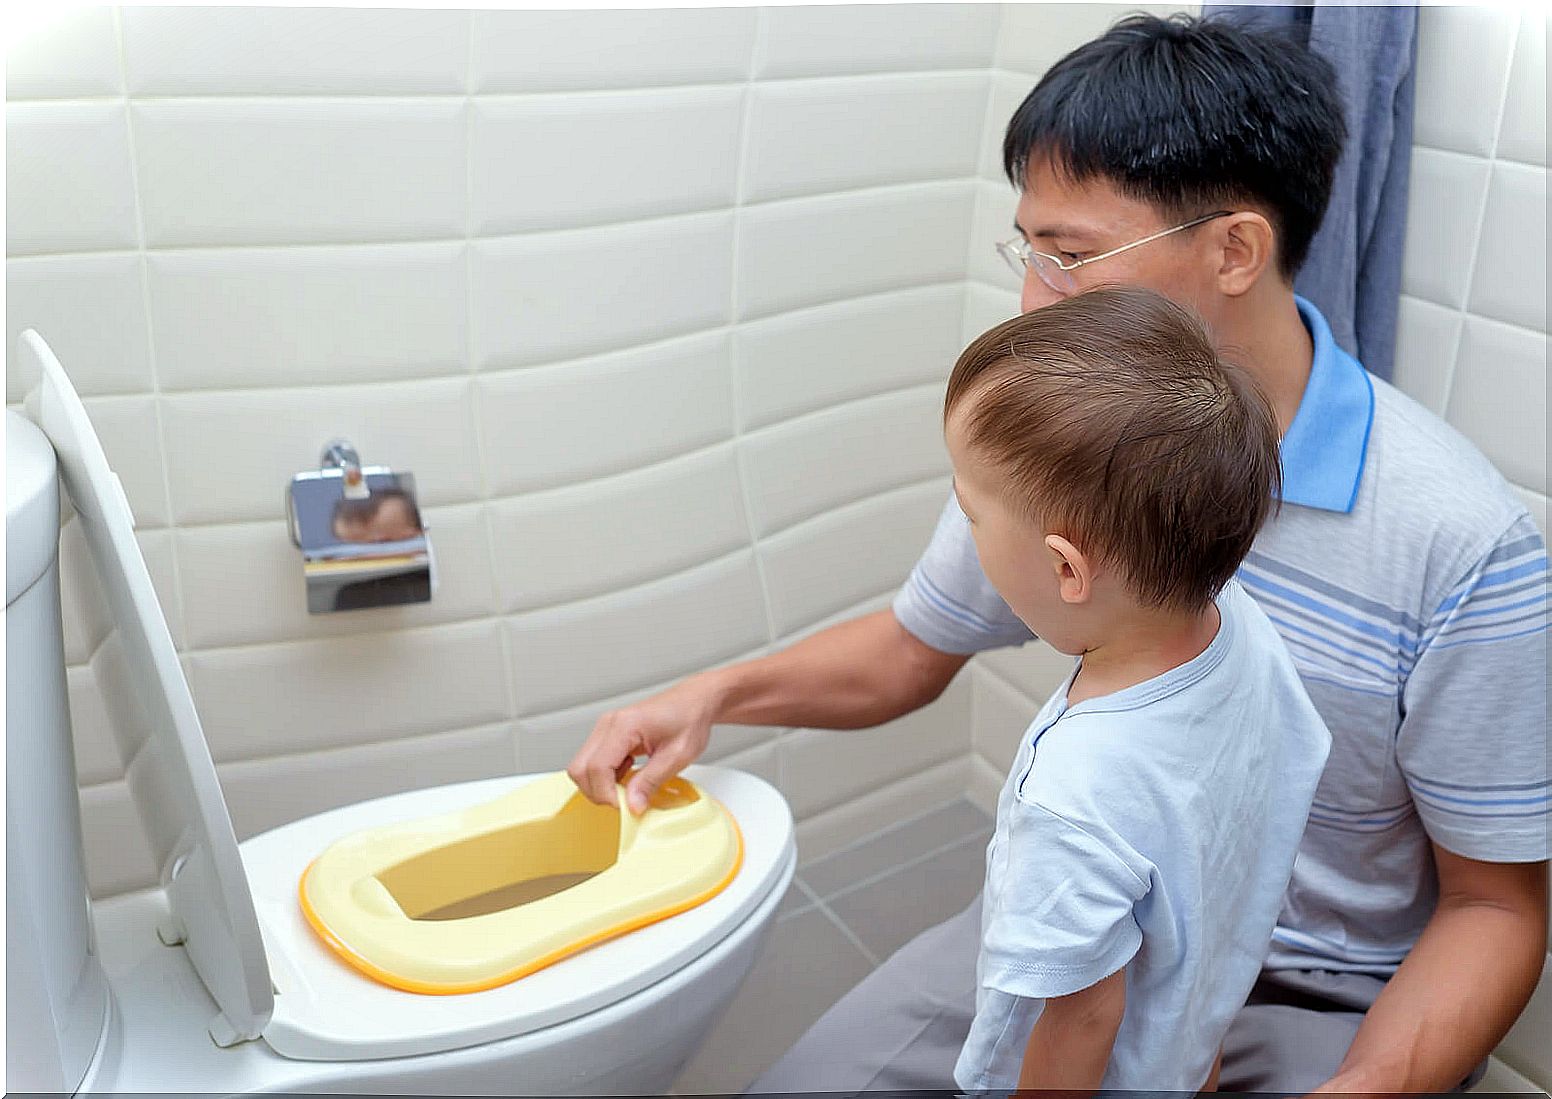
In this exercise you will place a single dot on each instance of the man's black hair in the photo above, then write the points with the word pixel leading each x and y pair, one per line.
pixel 1192 115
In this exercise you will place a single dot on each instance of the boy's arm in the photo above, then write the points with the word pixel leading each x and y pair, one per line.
pixel 1070 1045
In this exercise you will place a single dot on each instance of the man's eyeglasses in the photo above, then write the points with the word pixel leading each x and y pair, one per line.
pixel 1058 275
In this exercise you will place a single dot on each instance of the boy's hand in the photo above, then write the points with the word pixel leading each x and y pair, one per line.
pixel 672 728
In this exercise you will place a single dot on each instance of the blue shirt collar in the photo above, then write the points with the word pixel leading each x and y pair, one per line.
pixel 1324 449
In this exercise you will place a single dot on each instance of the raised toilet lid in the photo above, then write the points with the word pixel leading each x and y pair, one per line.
pixel 168 768
pixel 327 1010
pixel 282 983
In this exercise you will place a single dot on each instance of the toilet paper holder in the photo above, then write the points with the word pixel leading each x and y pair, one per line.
pixel 361 534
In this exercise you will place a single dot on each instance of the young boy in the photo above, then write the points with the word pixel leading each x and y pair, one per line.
pixel 1114 472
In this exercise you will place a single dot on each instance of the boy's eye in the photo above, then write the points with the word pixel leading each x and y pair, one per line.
pixel 1072 257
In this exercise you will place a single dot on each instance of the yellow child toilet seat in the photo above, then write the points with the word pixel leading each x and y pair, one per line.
pixel 476 898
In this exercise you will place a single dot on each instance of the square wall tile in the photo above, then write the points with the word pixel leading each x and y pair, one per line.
pixel 266 793
pixel 821 768
pixel 118 856
pixel 1034 669
pixel 1458 102
pixel 812 358
pixel 826 40
pixel 585 540
pixel 553 296
pixel 233 318
pixel 996 205
pixel 1509 281
pixel 813 136
pixel 658 631
pixel 999 717
pixel 759 761
pixel 68 182
pixel 873 856
pixel 74 53
pixel 270 603
pixel 1445 202
pixel 808 465
pixel 1035 36
pixel 1536 503
pixel 810 251
pixel 307 696
pixel 90 310
pixel 985 307
pixel 542 427
pixel 300 171
pixel 838 828
pixel 548 742
pixel 815 569
pixel 1522 134
pixel 91 729
pixel 545 51
pixel 1007 92
pixel 1499 398
pixel 1426 338
pixel 558 161
pixel 156 548
pixel 84 615
pixel 231 455
pixel 233 50
pixel 130 439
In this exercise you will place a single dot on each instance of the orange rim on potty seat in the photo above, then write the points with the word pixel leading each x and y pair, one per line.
pixel 473 899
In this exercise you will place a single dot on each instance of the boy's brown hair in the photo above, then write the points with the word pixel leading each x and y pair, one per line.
pixel 1117 425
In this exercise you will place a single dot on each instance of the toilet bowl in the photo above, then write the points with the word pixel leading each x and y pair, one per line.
pixel 216 981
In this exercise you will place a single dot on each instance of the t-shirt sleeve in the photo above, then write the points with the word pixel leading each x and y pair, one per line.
pixel 1063 916
pixel 1473 736
pixel 947 601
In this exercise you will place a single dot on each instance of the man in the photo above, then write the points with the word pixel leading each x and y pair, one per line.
pixel 1409 583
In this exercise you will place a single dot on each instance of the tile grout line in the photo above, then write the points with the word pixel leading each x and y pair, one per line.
pixel 503 643
pixel 734 305
pixel 142 253
pixel 360 97
pixel 1464 310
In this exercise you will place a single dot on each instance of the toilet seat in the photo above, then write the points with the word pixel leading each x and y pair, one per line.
pixel 327 1010
pixel 437 905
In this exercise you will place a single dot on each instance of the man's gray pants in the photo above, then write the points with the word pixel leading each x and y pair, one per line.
pixel 902 1027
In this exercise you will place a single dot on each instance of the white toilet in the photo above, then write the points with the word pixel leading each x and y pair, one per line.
pixel 247 998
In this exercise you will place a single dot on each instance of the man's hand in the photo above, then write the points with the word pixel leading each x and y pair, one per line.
pixel 671 728
pixel 1461 988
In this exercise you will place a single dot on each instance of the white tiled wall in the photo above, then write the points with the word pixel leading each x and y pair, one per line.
pixel 657 305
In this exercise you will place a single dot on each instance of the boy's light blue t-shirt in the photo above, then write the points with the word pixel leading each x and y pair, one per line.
pixel 1155 829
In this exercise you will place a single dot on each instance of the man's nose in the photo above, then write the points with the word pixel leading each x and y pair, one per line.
pixel 1036 294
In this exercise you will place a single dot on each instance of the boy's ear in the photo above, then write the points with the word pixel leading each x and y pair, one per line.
pixel 1074 576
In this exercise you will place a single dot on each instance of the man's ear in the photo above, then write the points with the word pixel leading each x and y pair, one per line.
pixel 1074 576
pixel 1246 248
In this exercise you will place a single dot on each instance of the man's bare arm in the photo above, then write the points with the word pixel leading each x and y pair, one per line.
pixel 857 674
pixel 1461 988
